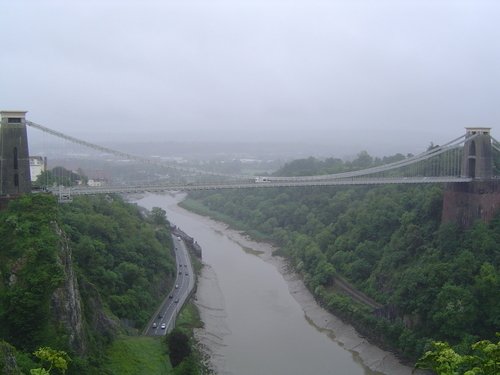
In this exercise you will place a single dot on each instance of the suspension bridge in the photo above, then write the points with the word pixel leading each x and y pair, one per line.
pixel 470 157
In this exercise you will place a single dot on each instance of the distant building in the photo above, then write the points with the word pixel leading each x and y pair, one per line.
pixel 38 165
pixel 95 183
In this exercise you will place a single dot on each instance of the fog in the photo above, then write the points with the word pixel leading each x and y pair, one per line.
pixel 381 76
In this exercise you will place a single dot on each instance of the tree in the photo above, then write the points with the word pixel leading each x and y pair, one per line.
pixel 486 283
pixel 178 344
pixel 363 160
pixel 484 359
pixel 58 176
pixel 454 310
pixel 52 358
pixel 159 216
pixel 45 179
pixel 442 359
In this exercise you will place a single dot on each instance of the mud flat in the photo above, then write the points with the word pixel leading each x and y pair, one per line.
pixel 210 302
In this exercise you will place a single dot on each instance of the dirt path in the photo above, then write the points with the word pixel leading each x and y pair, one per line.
pixel 356 294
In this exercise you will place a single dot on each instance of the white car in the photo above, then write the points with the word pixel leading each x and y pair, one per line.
pixel 163 326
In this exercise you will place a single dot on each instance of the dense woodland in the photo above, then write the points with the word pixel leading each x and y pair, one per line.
pixel 127 259
pixel 433 281
pixel 123 265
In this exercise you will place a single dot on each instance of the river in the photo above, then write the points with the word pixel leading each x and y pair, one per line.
pixel 259 318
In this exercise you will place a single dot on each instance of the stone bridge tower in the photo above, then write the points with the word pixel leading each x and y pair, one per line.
pixel 14 156
pixel 464 203
pixel 477 159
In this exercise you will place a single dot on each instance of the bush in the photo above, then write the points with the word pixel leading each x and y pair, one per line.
pixel 178 344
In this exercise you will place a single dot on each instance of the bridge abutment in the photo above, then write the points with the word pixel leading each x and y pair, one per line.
pixel 465 203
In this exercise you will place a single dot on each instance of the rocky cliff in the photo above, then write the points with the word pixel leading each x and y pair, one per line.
pixel 66 303
pixel 8 365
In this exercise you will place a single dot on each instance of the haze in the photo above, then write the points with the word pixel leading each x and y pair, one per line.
pixel 381 76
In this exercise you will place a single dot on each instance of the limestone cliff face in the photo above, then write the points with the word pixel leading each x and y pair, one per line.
pixel 66 303
pixel 8 365
pixel 70 312
pixel 97 319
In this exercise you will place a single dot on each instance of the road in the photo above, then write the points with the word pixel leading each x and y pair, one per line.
pixel 173 302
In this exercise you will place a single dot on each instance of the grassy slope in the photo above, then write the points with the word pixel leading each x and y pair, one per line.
pixel 189 319
pixel 148 355
pixel 138 355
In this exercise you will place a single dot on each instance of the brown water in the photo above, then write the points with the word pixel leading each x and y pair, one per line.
pixel 259 319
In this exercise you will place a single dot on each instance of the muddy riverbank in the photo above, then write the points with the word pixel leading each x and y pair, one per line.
pixel 370 355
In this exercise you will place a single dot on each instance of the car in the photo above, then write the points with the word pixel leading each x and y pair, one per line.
pixel 176 300
pixel 155 325
pixel 163 326
pixel 178 238
pixel 262 179
pixel 160 316
pixel 187 274
pixel 176 286
pixel 180 272
pixel 171 296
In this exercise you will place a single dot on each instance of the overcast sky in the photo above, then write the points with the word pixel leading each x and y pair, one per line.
pixel 367 75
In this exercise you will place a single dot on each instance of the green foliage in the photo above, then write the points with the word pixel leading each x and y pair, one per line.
pixel 39 371
pixel 188 319
pixel 51 358
pixel 136 355
pixel 189 366
pixel 483 359
pixel 312 166
pixel 59 176
pixel 128 261
pixel 30 269
pixel 179 347
pixel 159 216
pixel 8 360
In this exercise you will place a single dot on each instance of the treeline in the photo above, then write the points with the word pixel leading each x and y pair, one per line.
pixel 123 265
pixel 312 166
pixel 435 281
pixel 58 176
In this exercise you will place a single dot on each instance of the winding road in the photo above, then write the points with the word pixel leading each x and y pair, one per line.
pixel 164 319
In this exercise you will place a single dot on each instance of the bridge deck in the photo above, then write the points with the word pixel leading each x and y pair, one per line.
pixel 251 185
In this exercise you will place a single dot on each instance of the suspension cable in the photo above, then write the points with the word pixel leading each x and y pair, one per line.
pixel 414 160
pixel 127 155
